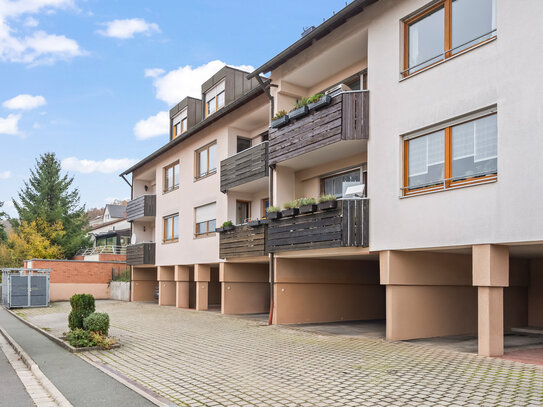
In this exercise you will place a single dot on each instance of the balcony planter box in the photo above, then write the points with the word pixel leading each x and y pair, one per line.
pixel 300 112
pixel 227 228
pixel 253 223
pixel 308 208
pixel 219 230
pixel 323 101
pixel 324 206
pixel 279 122
pixel 264 221
pixel 274 215
pixel 287 213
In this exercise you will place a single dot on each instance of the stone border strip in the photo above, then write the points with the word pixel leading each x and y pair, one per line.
pixel 38 374
pixel 58 341
pixel 132 385
pixel 147 394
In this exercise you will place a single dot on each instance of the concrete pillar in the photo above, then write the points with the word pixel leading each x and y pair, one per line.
pixel 182 278
pixel 166 285
pixel 490 275
pixel 245 288
pixel 202 275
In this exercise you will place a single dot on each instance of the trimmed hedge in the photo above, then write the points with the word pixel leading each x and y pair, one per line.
pixel 97 322
pixel 82 307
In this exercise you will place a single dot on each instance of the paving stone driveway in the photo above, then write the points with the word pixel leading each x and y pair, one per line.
pixel 205 359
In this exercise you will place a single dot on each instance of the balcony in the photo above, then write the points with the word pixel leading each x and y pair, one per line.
pixel 344 119
pixel 345 226
pixel 140 254
pixel 244 241
pixel 245 168
pixel 141 208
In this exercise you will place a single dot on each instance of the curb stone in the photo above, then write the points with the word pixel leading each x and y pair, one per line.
pixel 44 381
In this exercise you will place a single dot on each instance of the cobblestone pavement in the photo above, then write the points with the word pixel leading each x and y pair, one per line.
pixel 204 359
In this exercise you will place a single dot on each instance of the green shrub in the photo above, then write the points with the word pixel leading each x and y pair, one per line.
pixel 280 114
pixel 80 338
pixel 291 204
pixel 315 98
pixel 97 322
pixel 227 223
pixel 302 102
pixel 306 201
pixel 327 198
pixel 82 306
pixel 273 209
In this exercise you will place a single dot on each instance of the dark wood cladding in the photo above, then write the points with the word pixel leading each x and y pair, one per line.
pixel 244 241
pixel 249 165
pixel 345 118
pixel 345 226
pixel 144 205
pixel 140 253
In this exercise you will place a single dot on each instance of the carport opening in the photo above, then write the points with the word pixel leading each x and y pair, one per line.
pixel 214 294
pixel 144 284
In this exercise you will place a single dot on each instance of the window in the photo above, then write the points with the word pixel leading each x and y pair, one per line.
pixel 171 177
pixel 171 228
pixel 243 212
pixel 337 184
pixel 461 154
pixel 243 144
pixel 445 29
pixel 205 220
pixel 206 160
pixel 215 98
pixel 265 206
pixel 180 124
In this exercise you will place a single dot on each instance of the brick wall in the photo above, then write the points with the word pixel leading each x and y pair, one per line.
pixel 78 272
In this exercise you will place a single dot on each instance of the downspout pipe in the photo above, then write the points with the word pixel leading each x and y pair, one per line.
pixel 271 255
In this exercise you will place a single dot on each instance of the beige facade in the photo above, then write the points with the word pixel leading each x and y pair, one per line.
pixel 461 255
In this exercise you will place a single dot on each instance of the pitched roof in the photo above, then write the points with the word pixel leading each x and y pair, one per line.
pixel 116 211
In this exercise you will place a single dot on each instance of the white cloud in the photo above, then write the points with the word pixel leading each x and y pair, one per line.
pixel 5 174
pixel 187 81
pixel 107 166
pixel 157 125
pixel 127 28
pixel 31 22
pixel 153 72
pixel 39 47
pixel 10 124
pixel 24 102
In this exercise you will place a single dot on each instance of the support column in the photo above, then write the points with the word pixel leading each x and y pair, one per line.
pixel 166 285
pixel 182 278
pixel 202 275
pixel 490 275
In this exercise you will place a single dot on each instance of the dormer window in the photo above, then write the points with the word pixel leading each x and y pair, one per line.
pixel 215 98
pixel 180 123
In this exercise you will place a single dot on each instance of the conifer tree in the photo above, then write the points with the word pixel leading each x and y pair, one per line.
pixel 48 195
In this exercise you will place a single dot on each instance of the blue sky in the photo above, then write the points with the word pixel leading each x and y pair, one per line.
pixel 91 80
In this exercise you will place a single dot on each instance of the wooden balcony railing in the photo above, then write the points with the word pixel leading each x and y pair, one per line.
pixel 345 226
pixel 246 166
pixel 140 207
pixel 244 241
pixel 140 254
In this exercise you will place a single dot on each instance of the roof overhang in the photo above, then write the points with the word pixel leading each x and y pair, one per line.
pixel 338 19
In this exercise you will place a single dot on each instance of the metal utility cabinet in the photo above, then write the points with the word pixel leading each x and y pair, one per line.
pixel 25 287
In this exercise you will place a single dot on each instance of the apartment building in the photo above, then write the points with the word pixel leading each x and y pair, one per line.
pixel 425 136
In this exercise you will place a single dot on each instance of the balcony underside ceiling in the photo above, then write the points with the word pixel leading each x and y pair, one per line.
pixel 337 253
pixel 258 185
pixel 327 63
pixel 253 120
pixel 332 152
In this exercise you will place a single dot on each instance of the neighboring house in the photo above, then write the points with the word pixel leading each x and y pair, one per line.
pixel 113 228
pixel 433 107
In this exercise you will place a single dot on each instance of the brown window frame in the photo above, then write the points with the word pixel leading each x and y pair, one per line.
pixel 263 204
pixel 447 182
pixel 183 127
pixel 448 52
pixel 245 202
pixel 208 232
pixel 164 227
pixel 208 173
pixel 165 188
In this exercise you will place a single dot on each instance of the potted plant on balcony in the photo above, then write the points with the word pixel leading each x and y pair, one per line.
pixel 274 213
pixel 307 205
pixel 319 100
pixel 280 119
pixel 300 109
pixel 226 226
pixel 327 202
pixel 290 209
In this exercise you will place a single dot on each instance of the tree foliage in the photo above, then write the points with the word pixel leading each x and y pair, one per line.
pixel 48 196
pixel 3 217
pixel 34 240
